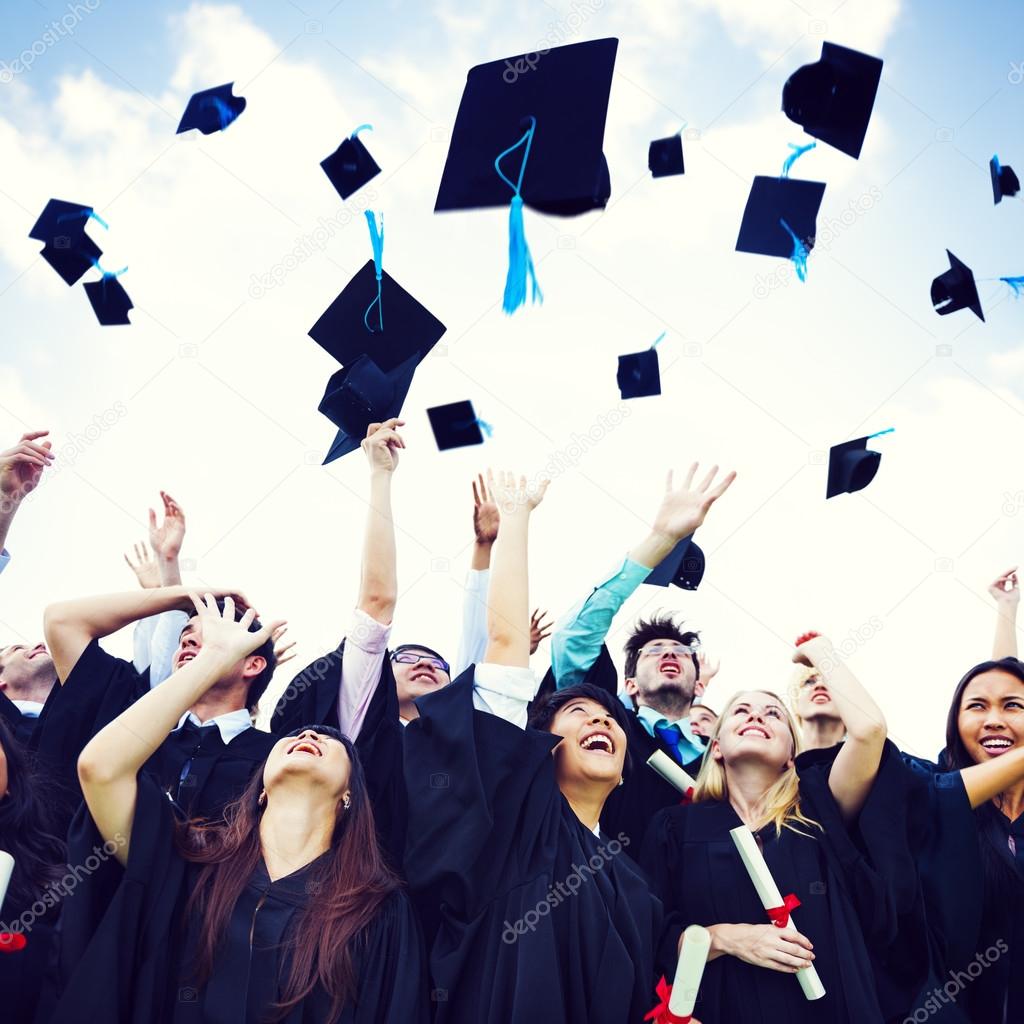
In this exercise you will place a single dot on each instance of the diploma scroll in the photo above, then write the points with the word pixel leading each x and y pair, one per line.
pixel 772 901
pixel 671 772
pixel 6 870
pixel 690 969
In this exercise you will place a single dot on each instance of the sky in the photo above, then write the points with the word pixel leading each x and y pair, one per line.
pixel 211 393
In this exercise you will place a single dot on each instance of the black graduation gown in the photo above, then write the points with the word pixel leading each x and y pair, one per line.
pixel 131 961
pixel 24 727
pixel 630 808
pixel 530 917
pixel 22 973
pixel 857 903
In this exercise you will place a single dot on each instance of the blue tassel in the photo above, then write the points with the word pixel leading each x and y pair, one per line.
pixel 377 241
pixel 520 262
pixel 880 433
pixel 361 128
pixel 89 214
pixel 799 254
pixel 999 166
pixel 224 113
pixel 1016 283
pixel 798 151
pixel 654 344
pixel 485 427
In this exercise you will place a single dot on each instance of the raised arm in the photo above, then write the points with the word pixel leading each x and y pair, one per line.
pixel 166 539
pixel 988 780
pixel 856 765
pixel 580 633
pixel 111 761
pixel 473 639
pixel 1006 594
pixel 21 468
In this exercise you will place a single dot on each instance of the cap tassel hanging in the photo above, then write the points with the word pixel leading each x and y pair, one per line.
pixel 1016 283
pixel 88 214
pixel 520 262
pixel 799 254
pixel 377 241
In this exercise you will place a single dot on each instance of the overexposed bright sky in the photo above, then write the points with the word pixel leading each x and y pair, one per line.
pixel 211 393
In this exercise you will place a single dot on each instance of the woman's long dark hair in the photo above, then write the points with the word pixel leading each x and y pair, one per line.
pixel 29 827
pixel 348 888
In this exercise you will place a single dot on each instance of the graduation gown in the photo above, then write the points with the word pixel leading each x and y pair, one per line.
pixel 24 727
pixel 130 962
pixel 632 805
pixel 858 893
pixel 530 917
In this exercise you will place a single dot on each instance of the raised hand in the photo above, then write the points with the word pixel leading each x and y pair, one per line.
pixel 485 513
pixel 22 466
pixel 538 630
pixel 1005 588
pixel 812 650
pixel 166 539
pixel 283 651
pixel 708 667
pixel 684 508
pixel 226 638
pixel 145 568
pixel 381 445
pixel 515 497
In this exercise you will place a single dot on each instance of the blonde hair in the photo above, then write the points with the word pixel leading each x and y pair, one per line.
pixel 780 805
pixel 796 682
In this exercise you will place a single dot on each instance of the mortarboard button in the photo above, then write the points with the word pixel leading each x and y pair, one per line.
pixel 211 110
pixel 1004 181
pixel 66 246
pixel 638 375
pixel 955 289
pixel 851 467
pixel 832 99
pixel 665 156
pixel 773 204
pixel 682 566
pixel 350 166
pixel 456 425
pixel 109 300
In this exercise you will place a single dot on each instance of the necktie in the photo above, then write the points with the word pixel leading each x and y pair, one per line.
pixel 191 737
pixel 671 736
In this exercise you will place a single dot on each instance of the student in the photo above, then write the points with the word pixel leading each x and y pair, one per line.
pixel 284 910
pixel 702 721
pixel 29 831
pixel 802 809
pixel 531 912
pixel 814 710
pixel 662 674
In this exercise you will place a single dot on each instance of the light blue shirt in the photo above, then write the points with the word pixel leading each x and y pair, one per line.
pixel 155 640
pixel 5 557
pixel 690 748
pixel 581 631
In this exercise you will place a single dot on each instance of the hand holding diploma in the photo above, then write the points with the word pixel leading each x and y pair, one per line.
pixel 676 1006
pixel 672 773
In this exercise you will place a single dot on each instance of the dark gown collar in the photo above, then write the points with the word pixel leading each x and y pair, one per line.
pixel 291 888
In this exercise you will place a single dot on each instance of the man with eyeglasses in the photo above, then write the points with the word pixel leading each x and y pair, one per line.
pixel 662 669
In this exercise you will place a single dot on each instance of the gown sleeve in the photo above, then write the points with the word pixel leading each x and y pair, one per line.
pixel 661 859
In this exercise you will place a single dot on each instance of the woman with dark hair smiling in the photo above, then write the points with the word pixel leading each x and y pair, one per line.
pixel 283 911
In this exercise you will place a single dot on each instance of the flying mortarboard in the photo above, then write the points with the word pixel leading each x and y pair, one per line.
pixel 66 246
pixel 211 110
pixel 456 425
pixel 665 156
pixel 109 300
pixel 1004 181
pixel 832 99
pixel 639 375
pixel 955 289
pixel 683 566
pixel 780 217
pixel 350 166
pixel 852 466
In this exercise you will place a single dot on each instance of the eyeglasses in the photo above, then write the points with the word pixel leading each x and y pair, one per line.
pixel 411 658
pixel 658 649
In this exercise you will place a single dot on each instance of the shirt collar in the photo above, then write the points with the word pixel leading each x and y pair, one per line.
pixel 229 725
pixel 28 708
pixel 690 747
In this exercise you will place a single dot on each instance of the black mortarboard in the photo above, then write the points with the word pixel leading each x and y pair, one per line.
pixel 361 394
pixel 109 300
pixel 638 374
pixel 409 328
pixel 1004 181
pixel 851 467
pixel 665 156
pixel 566 90
pixel 955 289
pixel 683 566
pixel 350 166
pixel 455 425
pixel 211 110
pixel 832 98
pixel 66 246
pixel 772 201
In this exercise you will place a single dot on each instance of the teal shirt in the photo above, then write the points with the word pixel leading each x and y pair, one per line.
pixel 690 747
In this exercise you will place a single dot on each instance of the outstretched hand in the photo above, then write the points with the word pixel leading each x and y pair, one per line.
pixel 381 445
pixel 1005 588
pixel 539 630
pixel 166 539
pixel 22 466
pixel 684 508
pixel 225 637
pixel 485 513
pixel 515 497
pixel 147 572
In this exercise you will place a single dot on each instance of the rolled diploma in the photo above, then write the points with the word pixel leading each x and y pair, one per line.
pixel 690 969
pixel 670 772
pixel 768 893
pixel 6 870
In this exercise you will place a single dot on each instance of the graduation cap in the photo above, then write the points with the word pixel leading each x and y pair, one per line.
pixel 530 130
pixel 851 466
pixel 665 156
pixel 109 300
pixel 1004 181
pixel 350 166
pixel 639 375
pixel 682 566
pixel 211 110
pixel 832 99
pixel 955 289
pixel 457 425
pixel 66 246
pixel 780 218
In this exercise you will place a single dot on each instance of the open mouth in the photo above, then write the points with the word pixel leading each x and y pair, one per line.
pixel 37 651
pixel 670 668
pixel 305 746
pixel 186 657
pixel 821 698
pixel 996 744
pixel 598 743
pixel 418 676
pixel 755 730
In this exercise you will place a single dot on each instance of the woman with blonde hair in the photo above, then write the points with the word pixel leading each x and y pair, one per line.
pixel 804 810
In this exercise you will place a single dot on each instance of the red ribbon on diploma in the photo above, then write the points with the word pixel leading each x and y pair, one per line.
pixel 687 796
pixel 661 1014
pixel 780 915
pixel 12 942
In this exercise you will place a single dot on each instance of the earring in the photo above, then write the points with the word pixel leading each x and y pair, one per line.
pixel 346 801
pixel 262 802
pixel 622 780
